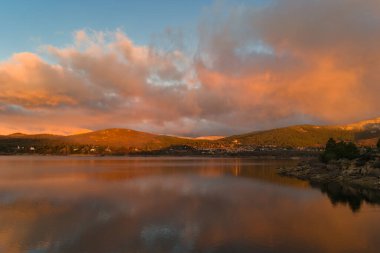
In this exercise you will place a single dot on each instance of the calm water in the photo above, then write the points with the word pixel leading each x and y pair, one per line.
pixel 112 205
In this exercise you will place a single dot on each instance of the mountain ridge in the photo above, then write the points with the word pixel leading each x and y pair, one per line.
pixel 363 133
pixel 361 124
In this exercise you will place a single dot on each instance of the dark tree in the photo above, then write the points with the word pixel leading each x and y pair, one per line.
pixel 331 144
pixel 339 150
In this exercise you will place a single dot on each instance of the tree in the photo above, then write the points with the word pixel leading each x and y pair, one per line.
pixel 331 144
pixel 378 144
pixel 339 150
pixel 330 151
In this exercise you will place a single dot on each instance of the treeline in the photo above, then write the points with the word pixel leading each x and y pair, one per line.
pixel 339 150
pixel 344 150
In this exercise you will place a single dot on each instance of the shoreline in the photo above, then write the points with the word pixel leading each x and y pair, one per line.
pixel 357 173
pixel 258 157
pixel 272 154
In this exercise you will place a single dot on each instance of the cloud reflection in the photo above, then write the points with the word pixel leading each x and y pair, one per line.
pixel 181 210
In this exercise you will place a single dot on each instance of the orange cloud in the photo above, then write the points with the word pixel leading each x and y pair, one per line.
pixel 287 62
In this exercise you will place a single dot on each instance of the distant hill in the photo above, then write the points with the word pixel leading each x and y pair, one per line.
pixel 102 141
pixel 125 140
pixel 365 133
pixel 363 125
pixel 210 138
pixel 294 136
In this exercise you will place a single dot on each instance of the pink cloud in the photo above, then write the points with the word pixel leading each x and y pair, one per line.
pixel 288 62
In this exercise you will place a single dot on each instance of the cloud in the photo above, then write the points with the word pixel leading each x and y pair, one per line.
pixel 102 80
pixel 293 59
pixel 255 67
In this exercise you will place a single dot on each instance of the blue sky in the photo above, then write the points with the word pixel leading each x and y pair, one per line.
pixel 25 24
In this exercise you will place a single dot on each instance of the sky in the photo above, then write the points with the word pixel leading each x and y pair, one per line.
pixel 25 24
pixel 191 68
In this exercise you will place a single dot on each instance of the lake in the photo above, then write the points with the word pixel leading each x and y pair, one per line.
pixel 121 204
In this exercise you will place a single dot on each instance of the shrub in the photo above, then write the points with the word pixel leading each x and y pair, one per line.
pixel 378 144
pixel 339 150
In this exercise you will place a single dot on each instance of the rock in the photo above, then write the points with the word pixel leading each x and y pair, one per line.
pixel 332 167
pixel 344 171
pixel 375 172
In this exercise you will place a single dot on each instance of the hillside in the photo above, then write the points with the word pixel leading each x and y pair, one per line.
pixel 126 138
pixel 363 125
pixel 118 141
pixel 364 133
pixel 122 141
pixel 22 143
pixel 294 136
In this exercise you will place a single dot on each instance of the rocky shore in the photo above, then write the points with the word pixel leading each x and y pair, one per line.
pixel 362 172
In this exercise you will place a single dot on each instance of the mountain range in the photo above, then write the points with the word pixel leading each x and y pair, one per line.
pixel 126 140
pixel 363 133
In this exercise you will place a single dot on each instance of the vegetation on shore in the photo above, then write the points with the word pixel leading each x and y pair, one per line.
pixel 341 163
pixel 339 150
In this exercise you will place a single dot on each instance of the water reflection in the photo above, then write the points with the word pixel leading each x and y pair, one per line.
pixel 353 196
pixel 170 205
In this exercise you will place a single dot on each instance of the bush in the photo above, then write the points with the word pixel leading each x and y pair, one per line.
pixel 378 144
pixel 339 150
